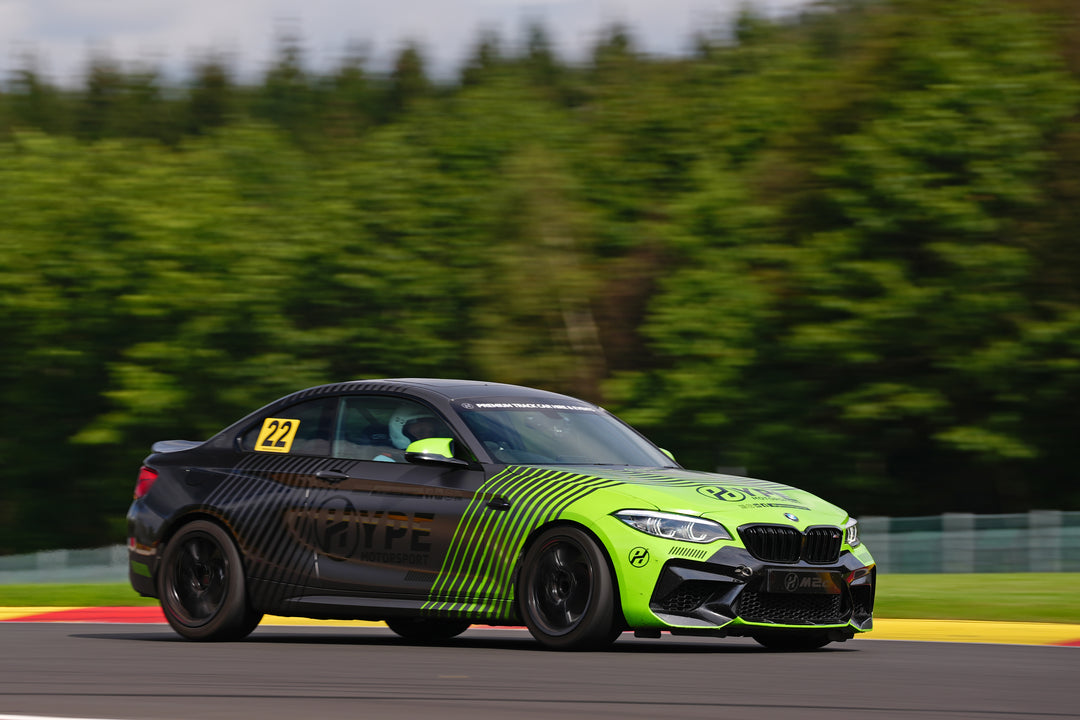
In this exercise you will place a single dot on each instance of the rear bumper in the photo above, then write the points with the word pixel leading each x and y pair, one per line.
pixel 141 579
pixel 144 528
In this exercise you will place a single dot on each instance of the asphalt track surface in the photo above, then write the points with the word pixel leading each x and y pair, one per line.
pixel 117 670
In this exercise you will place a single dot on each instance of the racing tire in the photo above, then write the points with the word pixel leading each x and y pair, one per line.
pixel 566 594
pixel 427 629
pixel 201 585
pixel 794 641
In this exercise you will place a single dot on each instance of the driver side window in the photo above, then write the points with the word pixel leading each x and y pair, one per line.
pixel 380 428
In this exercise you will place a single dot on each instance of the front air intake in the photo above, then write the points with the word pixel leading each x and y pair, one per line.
pixel 782 609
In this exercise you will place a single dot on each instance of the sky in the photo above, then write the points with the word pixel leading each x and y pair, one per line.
pixel 171 34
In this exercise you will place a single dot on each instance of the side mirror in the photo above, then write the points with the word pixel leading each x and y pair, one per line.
pixel 434 451
pixel 668 453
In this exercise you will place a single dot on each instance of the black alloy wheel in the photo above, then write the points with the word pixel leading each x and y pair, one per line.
pixel 565 592
pixel 201 585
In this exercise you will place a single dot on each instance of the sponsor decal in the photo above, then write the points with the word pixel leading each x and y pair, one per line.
pixel 335 533
pixel 525 406
pixel 803 583
pixel 638 557
pixel 721 493
pixel 343 532
pixel 739 493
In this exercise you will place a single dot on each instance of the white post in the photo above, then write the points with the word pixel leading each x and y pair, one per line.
pixel 874 531
pixel 958 543
pixel 1044 541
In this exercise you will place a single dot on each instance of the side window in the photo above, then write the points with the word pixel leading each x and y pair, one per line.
pixel 380 428
pixel 303 429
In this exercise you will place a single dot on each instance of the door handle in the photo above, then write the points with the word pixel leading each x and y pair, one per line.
pixel 498 503
pixel 334 476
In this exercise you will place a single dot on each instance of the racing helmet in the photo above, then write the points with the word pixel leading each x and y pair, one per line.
pixel 402 417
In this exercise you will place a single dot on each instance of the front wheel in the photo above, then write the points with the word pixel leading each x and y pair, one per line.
pixel 427 629
pixel 201 585
pixel 565 592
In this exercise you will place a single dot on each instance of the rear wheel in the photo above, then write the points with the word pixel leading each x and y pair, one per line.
pixel 794 640
pixel 201 585
pixel 565 592
pixel 427 629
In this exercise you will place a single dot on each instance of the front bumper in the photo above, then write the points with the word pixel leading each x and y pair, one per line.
pixel 727 588
pixel 736 594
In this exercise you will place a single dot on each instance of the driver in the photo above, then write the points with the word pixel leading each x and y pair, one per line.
pixel 409 424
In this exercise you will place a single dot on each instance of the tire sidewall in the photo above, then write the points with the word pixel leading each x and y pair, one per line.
pixel 233 619
pixel 597 626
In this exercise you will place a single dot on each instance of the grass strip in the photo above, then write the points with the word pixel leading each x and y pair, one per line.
pixel 72 595
pixel 1022 597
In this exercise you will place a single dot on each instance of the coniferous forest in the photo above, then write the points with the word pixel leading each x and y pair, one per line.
pixel 839 249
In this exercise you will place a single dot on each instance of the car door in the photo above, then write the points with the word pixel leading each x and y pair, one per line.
pixel 267 503
pixel 382 526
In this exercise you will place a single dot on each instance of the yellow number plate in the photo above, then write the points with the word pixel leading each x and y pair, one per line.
pixel 277 435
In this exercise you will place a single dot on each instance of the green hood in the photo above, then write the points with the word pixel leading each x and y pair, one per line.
pixel 728 499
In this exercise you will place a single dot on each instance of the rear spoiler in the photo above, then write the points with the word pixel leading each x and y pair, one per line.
pixel 169 446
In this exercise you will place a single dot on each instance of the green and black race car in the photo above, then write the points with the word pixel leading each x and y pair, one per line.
pixel 436 504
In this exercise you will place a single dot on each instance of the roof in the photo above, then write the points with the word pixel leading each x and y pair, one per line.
pixel 447 388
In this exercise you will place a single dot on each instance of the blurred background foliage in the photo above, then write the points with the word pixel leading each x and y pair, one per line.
pixel 837 249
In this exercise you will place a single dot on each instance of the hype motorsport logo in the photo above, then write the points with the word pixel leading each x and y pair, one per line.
pixel 751 496
pixel 718 492
pixel 638 557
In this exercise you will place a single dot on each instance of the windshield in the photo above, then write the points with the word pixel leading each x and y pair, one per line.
pixel 535 433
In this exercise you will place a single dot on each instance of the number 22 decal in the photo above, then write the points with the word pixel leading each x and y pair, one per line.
pixel 277 435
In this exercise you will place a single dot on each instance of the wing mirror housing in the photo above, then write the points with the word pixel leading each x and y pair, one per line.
pixel 434 451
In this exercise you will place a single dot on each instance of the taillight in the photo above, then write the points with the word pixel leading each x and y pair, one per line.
pixel 146 479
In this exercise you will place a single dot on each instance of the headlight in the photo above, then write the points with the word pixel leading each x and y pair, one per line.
pixel 674 527
pixel 851 532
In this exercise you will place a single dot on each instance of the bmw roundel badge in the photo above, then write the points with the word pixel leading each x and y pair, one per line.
pixel 792 517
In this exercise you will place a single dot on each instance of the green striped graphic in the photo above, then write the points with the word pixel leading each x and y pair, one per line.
pixel 475 578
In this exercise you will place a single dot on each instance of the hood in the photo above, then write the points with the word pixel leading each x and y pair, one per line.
pixel 729 499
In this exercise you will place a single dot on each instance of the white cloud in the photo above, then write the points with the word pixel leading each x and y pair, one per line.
pixel 13 15
pixel 169 32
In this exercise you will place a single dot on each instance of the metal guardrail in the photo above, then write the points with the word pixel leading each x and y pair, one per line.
pixel 1038 541
pixel 96 565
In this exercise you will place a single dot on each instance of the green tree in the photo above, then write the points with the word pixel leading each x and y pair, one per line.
pixel 485 59
pixel 286 98
pixel 408 82
pixel 535 323
pixel 349 98
pixel 31 101
pixel 100 109
pixel 894 273
pixel 210 97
